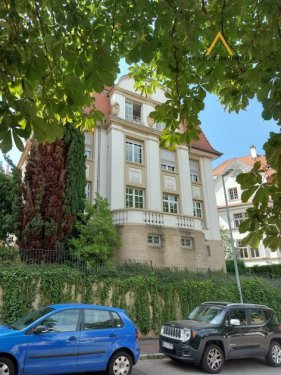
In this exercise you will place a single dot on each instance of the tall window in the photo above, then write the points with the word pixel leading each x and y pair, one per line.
pixel 88 191
pixel 194 171
pixel 238 218
pixel 242 250
pixel 134 198
pixel 132 111
pixel 233 194
pixel 88 152
pixel 197 209
pixel 255 253
pixel 134 152
pixel 168 160
pixel 170 203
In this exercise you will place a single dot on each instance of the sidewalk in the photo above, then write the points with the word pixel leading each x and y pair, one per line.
pixel 149 348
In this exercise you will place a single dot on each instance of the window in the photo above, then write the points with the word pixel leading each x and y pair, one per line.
pixel 88 152
pixel 233 194
pixel 186 242
pixel 63 321
pixel 242 250
pixel 194 171
pixel 88 191
pixel 117 321
pixel 255 253
pixel 170 203
pixel 134 152
pixel 239 314
pixel 197 209
pixel 208 250
pixel 134 198
pixel 238 218
pixel 132 111
pixel 256 316
pixel 168 160
pixel 159 126
pixel 154 239
pixel 97 319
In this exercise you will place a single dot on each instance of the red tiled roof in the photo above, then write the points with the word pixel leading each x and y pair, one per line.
pixel 248 160
pixel 203 144
pixel 102 103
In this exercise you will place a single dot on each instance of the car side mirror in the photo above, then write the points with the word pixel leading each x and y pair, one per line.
pixel 41 329
pixel 235 322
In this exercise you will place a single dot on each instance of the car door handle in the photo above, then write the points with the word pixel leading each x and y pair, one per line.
pixel 72 338
pixel 112 335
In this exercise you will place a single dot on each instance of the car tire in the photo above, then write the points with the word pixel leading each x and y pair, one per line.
pixel 213 359
pixel 6 366
pixel 274 354
pixel 120 364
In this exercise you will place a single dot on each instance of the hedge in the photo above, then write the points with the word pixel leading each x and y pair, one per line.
pixel 150 299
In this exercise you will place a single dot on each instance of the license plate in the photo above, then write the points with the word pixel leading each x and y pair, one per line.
pixel 167 345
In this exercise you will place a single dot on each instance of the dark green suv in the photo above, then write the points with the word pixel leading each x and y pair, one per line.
pixel 217 331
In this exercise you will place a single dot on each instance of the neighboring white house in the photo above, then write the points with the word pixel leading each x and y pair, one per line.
pixel 237 209
pixel 162 201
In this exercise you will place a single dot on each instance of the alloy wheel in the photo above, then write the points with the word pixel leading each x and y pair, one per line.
pixel 214 359
pixel 276 354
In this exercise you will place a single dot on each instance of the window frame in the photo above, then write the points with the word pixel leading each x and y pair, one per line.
pixel 133 118
pixel 134 189
pixel 153 243
pixel 233 194
pixel 170 202
pixel 134 154
pixel 195 209
pixel 88 191
pixel 184 245
pixel 195 173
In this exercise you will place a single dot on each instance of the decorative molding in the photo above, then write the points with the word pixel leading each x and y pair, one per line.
pixel 170 183
pixel 135 176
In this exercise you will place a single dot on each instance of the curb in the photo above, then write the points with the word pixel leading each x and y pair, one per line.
pixel 152 356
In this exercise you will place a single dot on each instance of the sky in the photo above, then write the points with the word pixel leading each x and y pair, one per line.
pixel 230 133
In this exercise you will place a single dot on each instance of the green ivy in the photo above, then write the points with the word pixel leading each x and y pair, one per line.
pixel 150 299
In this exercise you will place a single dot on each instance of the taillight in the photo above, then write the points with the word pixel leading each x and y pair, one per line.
pixel 137 334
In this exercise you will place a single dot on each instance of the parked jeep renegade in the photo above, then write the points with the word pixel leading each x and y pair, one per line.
pixel 217 331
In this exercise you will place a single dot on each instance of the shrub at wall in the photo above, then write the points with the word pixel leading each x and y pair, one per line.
pixel 149 299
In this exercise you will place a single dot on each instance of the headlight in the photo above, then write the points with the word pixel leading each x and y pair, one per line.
pixel 162 330
pixel 185 334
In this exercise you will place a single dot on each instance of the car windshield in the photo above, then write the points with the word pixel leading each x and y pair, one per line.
pixel 31 317
pixel 207 314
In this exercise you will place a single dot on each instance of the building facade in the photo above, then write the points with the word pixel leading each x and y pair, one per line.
pixel 237 209
pixel 162 201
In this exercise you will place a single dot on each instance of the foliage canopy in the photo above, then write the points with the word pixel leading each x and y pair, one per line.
pixel 55 54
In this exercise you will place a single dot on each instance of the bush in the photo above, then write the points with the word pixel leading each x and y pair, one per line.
pixel 9 256
pixel 240 264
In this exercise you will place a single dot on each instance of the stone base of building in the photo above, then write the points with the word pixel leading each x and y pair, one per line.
pixel 201 256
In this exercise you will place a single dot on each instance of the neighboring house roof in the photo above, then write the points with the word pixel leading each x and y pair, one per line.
pixel 102 103
pixel 247 160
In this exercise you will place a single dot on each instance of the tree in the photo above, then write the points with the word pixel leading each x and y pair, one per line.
pixel 55 54
pixel 226 241
pixel 6 210
pixel 97 236
pixel 53 193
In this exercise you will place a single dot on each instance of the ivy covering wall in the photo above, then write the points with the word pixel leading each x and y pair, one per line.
pixel 150 299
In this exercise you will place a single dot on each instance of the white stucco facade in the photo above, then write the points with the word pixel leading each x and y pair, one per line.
pixel 150 190
pixel 237 212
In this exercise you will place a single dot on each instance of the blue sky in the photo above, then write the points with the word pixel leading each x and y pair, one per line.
pixel 230 133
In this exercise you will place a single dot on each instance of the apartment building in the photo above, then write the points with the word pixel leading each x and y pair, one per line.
pixel 162 201
pixel 237 209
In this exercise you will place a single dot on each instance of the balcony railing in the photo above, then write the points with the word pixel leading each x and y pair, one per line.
pixel 146 217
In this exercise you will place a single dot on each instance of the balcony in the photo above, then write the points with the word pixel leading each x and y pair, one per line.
pixel 155 218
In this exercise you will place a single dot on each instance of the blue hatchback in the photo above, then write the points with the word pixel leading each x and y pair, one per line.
pixel 69 338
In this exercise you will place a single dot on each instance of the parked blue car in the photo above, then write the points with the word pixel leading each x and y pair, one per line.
pixel 69 338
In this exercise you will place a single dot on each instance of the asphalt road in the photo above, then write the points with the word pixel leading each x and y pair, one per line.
pixel 168 367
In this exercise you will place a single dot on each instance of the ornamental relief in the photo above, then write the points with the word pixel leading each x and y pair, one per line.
pixel 170 183
pixel 135 176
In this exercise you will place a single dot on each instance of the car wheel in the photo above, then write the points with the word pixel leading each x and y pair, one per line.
pixel 213 359
pixel 120 364
pixel 274 354
pixel 6 366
